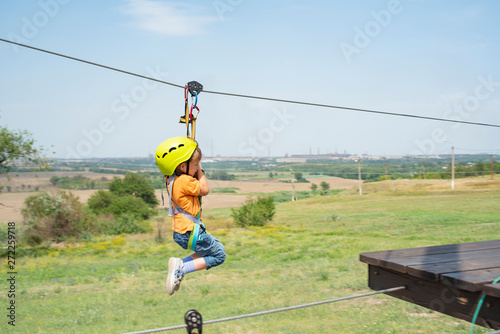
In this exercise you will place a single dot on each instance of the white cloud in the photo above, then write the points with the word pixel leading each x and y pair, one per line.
pixel 168 18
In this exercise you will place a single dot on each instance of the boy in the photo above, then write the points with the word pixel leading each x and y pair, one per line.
pixel 179 159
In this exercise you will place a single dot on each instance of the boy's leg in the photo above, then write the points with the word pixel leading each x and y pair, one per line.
pixel 210 250
pixel 192 263
pixel 211 253
pixel 199 262
pixel 176 266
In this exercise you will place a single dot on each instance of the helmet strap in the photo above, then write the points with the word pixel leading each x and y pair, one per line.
pixel 187 168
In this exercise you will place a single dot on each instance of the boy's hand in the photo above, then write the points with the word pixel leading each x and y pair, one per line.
pixel 199 172
pixel 200 175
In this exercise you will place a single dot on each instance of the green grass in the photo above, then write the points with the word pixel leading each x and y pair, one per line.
pixel 286 196
pixel 225 190
pixel 309 253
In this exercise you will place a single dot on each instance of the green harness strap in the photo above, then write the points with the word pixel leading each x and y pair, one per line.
pixel 194 237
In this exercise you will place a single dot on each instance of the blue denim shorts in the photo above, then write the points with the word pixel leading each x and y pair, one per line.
pixel 208 247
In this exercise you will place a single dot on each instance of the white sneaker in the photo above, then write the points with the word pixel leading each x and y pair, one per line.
pixel 175 275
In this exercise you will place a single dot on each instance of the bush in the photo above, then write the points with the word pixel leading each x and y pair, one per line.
pixel 130 205
pixel 128 223
pixel 99 201
pixel 135 185
pixel 107 203
pixel 52 216
pixel 254 212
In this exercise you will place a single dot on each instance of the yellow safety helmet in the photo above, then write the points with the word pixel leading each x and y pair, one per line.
pixel 172 152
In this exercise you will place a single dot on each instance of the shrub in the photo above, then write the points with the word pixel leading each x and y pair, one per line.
pixel 130 205
pixel 254 212
pixel 52 216
pixel 107 203
pixel 99 201
pixel 135 185
pixel 128 223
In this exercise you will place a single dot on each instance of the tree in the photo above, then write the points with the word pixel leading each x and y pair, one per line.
pixel 324 185
pixel 314 187
pixel 136 185
pixel 18 146
pixel 481 166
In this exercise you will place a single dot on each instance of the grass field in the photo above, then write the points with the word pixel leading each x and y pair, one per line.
pixel 309 253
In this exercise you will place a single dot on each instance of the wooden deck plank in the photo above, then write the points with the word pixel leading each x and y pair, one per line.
pixel 401 264
pixel 433 271
pixel 492 290
pixel 471 280
pixel 374 258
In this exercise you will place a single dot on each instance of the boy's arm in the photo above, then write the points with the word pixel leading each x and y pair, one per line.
pixel 204 190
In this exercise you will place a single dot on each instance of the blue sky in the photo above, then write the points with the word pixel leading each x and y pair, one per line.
pixel 430 58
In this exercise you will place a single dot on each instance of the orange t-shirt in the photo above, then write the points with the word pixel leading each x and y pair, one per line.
pixel 185 194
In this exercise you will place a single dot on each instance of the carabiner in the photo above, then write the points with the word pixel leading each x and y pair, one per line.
pixel 196 99
pixel 191 112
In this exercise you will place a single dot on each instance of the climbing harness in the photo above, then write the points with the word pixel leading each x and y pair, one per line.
pixel 174 209
pixel 194 88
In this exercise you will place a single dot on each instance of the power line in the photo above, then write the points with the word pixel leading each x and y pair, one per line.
pixel 255 97
pixel 272 311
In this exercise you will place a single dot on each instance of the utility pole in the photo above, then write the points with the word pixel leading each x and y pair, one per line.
pixel 452 168
pixel 293 186
pixel 359 175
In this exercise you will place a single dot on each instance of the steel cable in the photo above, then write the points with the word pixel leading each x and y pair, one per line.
pixel 252 96
pixel 272 311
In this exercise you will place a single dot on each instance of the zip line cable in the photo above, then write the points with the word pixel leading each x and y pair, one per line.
pixel 272 311
pixel 91 63
pixel 352 109
pixel 252 96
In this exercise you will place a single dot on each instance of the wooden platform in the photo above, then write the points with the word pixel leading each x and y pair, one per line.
pixel 449 279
